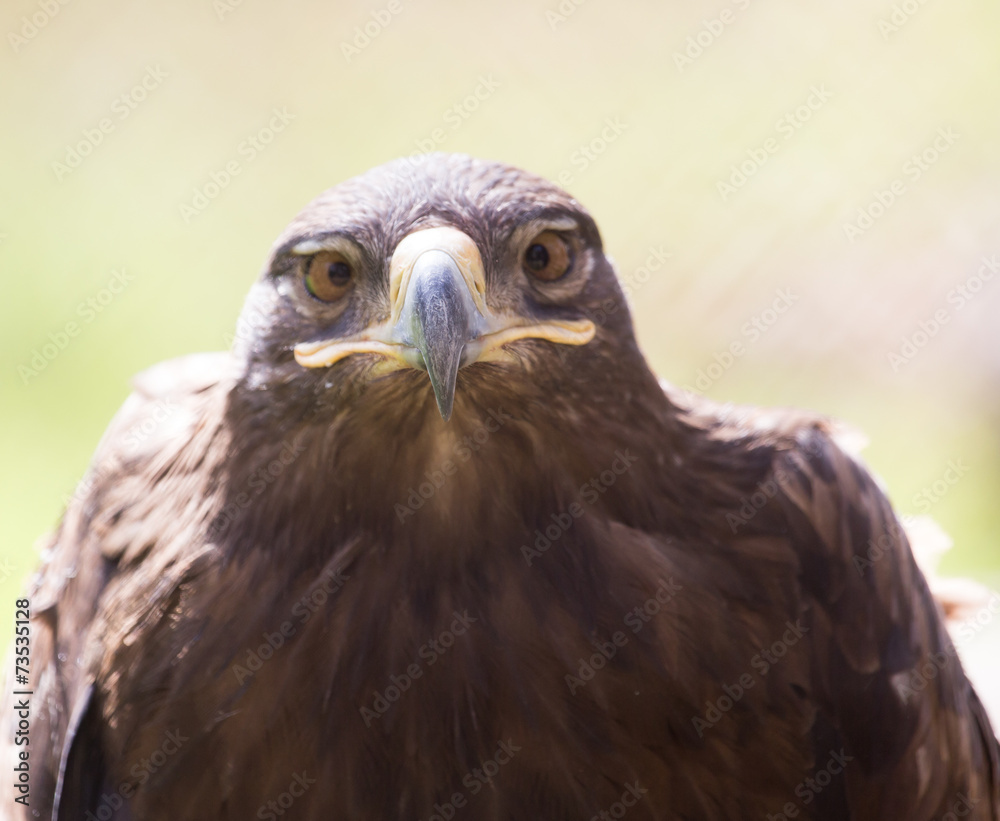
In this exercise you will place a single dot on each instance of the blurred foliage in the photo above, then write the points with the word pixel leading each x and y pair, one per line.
pixel 550 77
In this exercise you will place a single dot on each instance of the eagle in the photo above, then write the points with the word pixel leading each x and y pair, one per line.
pixel 433 543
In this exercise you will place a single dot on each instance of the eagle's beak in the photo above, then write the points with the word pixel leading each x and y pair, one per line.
pixel 439 320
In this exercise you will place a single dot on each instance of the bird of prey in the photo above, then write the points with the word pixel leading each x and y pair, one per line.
pixel 432 543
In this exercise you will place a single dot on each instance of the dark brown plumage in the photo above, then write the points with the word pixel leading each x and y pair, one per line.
pixel 581 593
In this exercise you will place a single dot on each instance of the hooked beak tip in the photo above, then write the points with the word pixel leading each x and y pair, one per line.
pixel 440 320
pixel 445 406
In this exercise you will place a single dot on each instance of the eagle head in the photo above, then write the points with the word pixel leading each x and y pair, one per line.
pixel 440 282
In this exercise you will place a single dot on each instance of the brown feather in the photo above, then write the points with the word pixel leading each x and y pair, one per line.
pixel 265 500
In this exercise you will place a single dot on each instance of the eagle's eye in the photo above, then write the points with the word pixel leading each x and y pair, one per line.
pixel 328 276
pixel 547 257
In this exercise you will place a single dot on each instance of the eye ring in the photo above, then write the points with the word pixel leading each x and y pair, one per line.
pixel 547 257
pixel 328 276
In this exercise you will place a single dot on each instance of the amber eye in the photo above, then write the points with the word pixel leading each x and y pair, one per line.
pixel 547 257
pixel 328 276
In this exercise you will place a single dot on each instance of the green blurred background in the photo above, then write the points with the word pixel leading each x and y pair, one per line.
pixel 690 90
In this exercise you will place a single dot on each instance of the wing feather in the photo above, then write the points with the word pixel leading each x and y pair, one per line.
pixel 886 672
pixel 99 531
